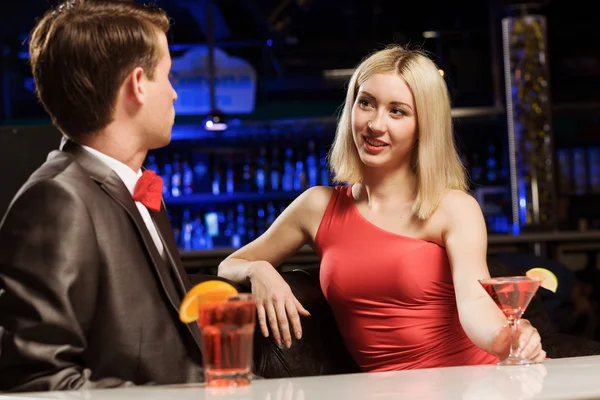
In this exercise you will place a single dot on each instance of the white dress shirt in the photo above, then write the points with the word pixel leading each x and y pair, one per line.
pixel 130 178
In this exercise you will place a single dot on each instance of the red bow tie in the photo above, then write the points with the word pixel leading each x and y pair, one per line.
pixel 148 190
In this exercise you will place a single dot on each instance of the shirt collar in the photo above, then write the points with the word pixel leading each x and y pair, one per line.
pixel 127 175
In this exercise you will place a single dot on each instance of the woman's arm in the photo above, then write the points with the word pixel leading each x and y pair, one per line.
pixel 293 229
pixel 465 239
pixel 257 262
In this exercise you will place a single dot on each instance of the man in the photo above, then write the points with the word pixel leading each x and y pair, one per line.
pixel 90 279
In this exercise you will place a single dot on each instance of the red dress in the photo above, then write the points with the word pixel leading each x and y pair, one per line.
pixel 392 295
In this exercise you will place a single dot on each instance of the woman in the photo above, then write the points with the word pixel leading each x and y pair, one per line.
pixel 402 246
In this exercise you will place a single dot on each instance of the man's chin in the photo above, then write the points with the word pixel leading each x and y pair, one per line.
pixel 160 143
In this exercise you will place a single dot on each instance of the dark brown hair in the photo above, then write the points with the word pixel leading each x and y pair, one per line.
pixel 81 52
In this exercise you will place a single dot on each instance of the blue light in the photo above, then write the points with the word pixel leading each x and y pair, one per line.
pixel 270 42
pixel 516 229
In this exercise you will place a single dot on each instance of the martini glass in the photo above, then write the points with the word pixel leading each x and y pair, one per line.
pixel 512 294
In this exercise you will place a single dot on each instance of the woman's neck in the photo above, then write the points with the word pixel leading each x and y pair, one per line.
pixel 380 189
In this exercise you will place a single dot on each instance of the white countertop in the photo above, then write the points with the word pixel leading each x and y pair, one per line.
pixel 567 378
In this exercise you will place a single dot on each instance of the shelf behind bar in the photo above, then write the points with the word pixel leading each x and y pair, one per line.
pixel 212 199
pixel 206 260
pixel 189 127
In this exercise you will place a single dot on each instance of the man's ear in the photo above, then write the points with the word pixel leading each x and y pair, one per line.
pixel 135 85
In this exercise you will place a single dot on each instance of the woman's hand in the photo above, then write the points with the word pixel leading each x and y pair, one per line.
pixel 276 305
pixel 529 342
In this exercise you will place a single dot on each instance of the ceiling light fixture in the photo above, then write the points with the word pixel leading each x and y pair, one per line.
pixel 215 120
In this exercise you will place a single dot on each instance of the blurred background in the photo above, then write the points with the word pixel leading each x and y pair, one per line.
pixel 260 83
pixel 274 72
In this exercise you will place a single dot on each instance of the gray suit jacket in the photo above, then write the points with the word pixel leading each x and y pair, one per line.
pixel 86 301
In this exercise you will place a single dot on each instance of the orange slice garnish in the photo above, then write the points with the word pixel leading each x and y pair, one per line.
pixel 205 292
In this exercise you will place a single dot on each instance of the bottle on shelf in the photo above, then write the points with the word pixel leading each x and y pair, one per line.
pixel 299 174
pixel 199 235
pixel 230 176
pixel 325 176
pixel 491 164
pixel 312 170
pixel 261 171
pixel 176 178
pixel 151 163
pixel 186 230
pixel 250 223
pixel 288 171
pixel 261 220
pixel 217 178
pixel 187 178
pixel 564 171
pixel 201 172
pixel 276 172
pixel 594 168
pixel 228 226
pixel 248 169
pixel 580 177
pixel 271 213
pixel 476 168
pixel 167 173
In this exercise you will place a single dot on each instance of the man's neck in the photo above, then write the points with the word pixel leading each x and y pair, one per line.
pixel 121 146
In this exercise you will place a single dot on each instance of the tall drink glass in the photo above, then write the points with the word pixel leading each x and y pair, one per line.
pixel 227 330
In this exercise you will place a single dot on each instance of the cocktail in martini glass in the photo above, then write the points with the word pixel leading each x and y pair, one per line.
pixel 512 294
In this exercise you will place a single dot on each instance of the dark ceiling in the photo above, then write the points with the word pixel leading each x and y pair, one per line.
pixel 308 37
pixel 311 36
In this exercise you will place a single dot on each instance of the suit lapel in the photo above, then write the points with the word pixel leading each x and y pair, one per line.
pixel 113 185
pixel 163 226
pixel 115 188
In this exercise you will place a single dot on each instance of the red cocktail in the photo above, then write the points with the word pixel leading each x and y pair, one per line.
pixel 227 329
pixel 512 295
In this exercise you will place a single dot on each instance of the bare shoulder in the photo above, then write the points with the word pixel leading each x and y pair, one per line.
pixel 458 208
pixel 457 202
pixel 460 212
pixel 310 207
pixel 315 199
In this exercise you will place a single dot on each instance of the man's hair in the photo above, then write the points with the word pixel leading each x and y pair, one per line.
pixel 82 51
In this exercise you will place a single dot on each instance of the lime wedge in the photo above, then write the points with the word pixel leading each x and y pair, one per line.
pixel 549 280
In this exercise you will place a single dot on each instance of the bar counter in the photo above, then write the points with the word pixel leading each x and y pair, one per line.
pixel 567 378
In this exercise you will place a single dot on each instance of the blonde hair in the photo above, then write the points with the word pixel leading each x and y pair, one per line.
pixel 434 159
